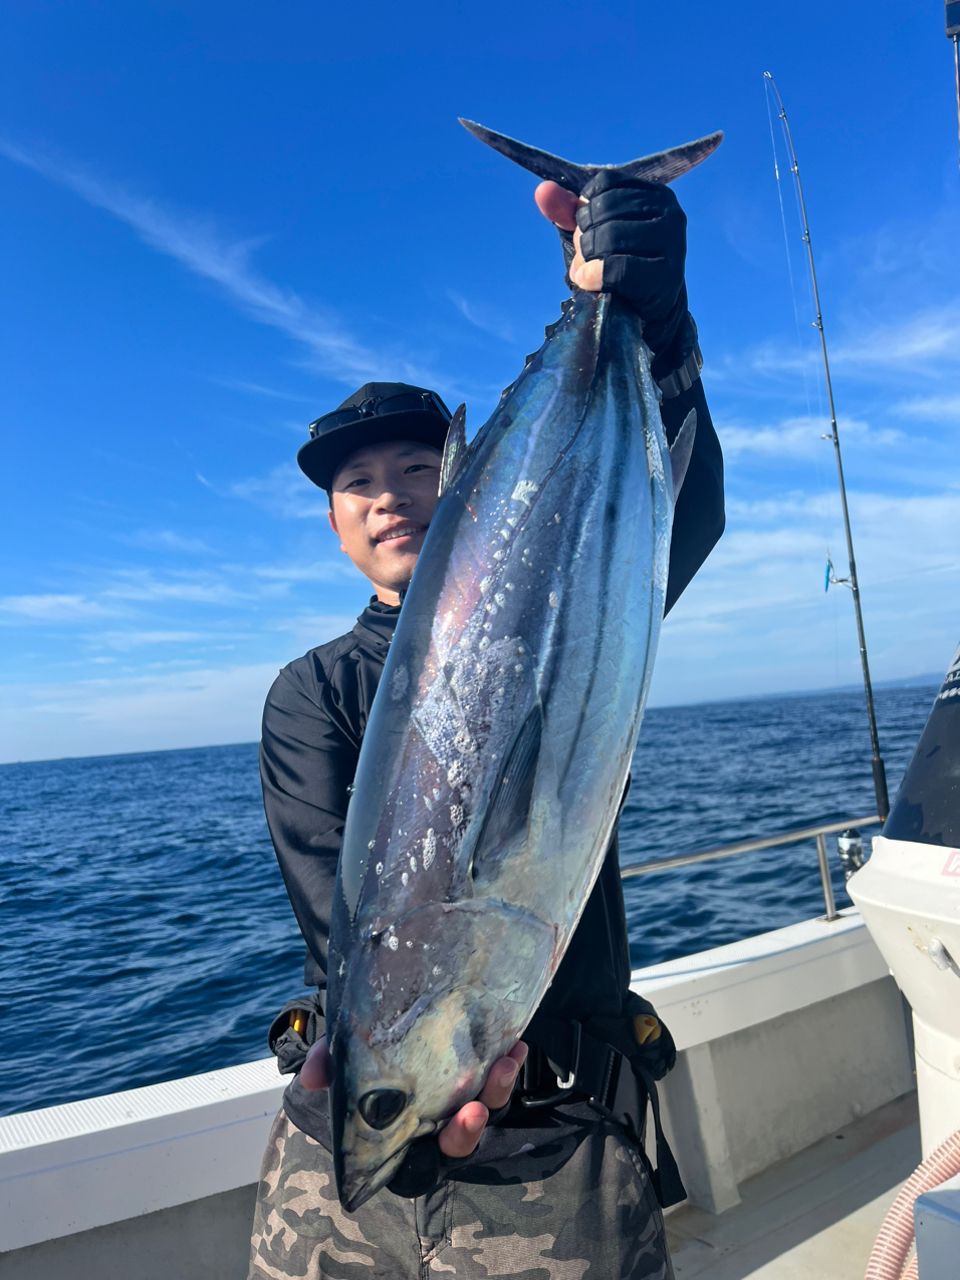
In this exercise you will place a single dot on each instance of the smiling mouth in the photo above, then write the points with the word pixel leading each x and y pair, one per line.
pixel 402 531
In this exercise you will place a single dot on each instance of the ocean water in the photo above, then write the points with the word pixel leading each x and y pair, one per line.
pixel 145 933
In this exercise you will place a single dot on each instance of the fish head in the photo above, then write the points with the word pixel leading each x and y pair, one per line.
pixel 374 1119
pixel 428 999
pixel 394 1084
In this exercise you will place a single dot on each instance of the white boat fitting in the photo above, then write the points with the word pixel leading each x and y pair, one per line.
pixel 785 1040
pixel 909 894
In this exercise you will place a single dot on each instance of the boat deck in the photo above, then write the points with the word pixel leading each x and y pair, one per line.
pixel 815 1214
pixel 781 1039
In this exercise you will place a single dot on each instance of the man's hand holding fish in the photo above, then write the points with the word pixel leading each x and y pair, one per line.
pixel 459 1137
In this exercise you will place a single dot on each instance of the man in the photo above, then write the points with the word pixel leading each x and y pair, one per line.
pixel 544 1174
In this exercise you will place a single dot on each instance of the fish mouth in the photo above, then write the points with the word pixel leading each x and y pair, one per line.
pixel 359 1173
pixel 355 1189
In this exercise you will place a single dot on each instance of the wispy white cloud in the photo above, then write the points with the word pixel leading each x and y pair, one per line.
pixel 757 620
pixel 901 257
pixel 927 337
pixel 168 702
pixel 52 608
pixel 481 317
pixel 936 408
pixel 142 585
pixel 773 553
pixel 904 341
pixel 149 711
pixel 800 437
pixel 332 568
pixel 166 540
pixel 133 639
pixel 774 359
pixel 199 246
pixel 205 608
pixel 284 492
pixel 306 630
pixel 256 389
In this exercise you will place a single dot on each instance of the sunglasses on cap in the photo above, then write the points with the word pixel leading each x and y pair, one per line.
pixel 380 407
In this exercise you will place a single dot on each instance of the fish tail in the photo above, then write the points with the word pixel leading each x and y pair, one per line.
pixel 661 166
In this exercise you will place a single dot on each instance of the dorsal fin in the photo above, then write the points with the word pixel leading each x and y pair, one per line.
pixel 681 451
pixel 454 449
pixel 662 166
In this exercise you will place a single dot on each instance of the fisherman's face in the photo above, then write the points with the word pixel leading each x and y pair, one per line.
pixel 382 501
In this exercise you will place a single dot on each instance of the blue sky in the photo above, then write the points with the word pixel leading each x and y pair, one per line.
pixel 217 220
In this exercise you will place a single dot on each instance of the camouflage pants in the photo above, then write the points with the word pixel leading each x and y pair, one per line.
pixel 568 1209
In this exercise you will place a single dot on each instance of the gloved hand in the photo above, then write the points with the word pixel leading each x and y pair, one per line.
pixel 428 1158
pixel 637 232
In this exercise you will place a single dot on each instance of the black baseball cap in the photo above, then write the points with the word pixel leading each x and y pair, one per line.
pixel 379 411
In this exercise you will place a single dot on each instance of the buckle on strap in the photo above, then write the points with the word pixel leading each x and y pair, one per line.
pixel 540 1066
pixel 571 1079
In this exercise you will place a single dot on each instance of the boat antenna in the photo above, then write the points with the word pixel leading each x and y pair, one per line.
pixel 851 581
pixel 952 15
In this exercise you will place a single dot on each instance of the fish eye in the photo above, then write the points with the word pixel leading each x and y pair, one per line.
pixel 381 1107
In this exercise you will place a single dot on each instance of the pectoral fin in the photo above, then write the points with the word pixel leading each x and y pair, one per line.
pixel 511 798
pixel 682 450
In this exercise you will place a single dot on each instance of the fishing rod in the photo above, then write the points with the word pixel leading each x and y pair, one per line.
pixel 952 15
pixel 851 581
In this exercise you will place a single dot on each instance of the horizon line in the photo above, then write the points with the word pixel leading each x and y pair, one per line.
pixel 919 681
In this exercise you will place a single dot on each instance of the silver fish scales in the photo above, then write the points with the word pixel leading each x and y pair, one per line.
pixel 501 735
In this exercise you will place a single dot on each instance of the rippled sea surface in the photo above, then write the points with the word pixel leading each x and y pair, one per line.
pixel 145 933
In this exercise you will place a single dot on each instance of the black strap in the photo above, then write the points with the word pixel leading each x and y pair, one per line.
pixel 576 1062
pixel 666 1179
pixel 593 1067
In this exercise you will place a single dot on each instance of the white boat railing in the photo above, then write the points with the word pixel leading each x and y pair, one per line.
pixel 819 833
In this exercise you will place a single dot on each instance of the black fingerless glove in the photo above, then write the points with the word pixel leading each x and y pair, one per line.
pixel 425 1166
pixel 639 231
pixel 423 1170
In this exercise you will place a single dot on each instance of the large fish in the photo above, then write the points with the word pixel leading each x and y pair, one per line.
pixel 501 735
